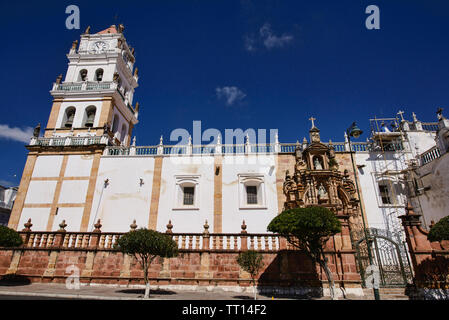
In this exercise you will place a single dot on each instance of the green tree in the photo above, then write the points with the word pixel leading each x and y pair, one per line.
pixel 309 229
pixel 440 231
pixel 251 262
pixel 146 245
pixel 9 237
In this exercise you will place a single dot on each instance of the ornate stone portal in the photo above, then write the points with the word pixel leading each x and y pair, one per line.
pixel 317 181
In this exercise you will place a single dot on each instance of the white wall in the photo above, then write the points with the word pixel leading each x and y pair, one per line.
pixel 187 220
pixel 256 220
pixel 123 200
pixel 40 192
pixel 47 166
pixel 79 165
pixel 38 216
pixel 72 217
pixel 435 201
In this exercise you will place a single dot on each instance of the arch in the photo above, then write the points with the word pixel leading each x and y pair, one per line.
pixel 99 74
pixel 90 116
pixel 69 116
pixel 82 75
pixel 343 196
pixel 123 133
pixel 115 123
pixel 317 162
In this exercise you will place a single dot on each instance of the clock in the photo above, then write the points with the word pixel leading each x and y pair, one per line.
pixel 98 47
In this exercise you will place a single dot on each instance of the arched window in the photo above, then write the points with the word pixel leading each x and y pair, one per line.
pixel 90 116
pixel 99 75
pixel 115 124
pixel 68 117
pixel 123 133
pixel 83 75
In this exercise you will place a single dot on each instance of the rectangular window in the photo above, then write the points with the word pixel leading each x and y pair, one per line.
pixel 384 194
pixel 251 194
pixel 189 193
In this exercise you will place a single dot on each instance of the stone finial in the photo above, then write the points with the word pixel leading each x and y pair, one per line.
pixel 206 228
pixel 136 72
pixel 59 79
pixel 37 131
pixel 137 107
pixel 415 119
pixel 27 226
pixel 121 28
pixel 62 226
pixel 134 141
pixel 74 44
pixel 169 227
pixel 243 227
pixel 133 225
pixel 440 114
pixel 87 31
pixel 97 226
pixel 161 141
pixel 132 50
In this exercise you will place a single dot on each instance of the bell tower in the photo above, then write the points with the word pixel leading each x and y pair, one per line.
pixel 96 96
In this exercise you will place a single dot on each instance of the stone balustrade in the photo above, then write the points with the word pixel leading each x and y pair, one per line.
pixel 166 150
pixel 69 141
pixel 429 155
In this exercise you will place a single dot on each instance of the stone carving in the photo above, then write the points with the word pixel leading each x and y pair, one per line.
pixel 37 131
pixel 317 164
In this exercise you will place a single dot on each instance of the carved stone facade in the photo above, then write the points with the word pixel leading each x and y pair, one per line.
pixel 317 181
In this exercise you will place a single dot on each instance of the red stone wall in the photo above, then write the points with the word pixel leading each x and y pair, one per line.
pixel 284 268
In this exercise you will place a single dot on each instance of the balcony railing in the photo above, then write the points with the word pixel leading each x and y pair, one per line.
pixel 430 155
pixel 69 141
pixel 84 86
pixel 275 148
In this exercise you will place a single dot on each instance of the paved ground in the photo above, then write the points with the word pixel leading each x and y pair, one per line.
pixel 59 291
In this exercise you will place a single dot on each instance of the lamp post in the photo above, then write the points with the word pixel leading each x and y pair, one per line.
pixel 354 131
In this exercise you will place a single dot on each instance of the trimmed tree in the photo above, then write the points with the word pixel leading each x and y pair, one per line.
pixel 145 245
pixel 440 231
pixel 251 262
pixel 9 238
pixel 309 229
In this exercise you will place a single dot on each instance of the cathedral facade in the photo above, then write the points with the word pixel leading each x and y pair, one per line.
pixel 86 167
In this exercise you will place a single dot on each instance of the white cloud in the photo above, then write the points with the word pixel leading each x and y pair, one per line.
pixel 270 40
pixel 230 94
pixel 17 134
pixel 267 38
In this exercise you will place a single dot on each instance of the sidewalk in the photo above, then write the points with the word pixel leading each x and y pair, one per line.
pixel 102 292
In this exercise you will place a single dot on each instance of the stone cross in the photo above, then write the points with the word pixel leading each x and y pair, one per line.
pixel 313 121
pixel 401 113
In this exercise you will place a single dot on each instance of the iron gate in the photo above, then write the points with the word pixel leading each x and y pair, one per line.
pixel 390 257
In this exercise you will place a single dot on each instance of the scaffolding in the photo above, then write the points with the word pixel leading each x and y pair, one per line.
pixel 392 148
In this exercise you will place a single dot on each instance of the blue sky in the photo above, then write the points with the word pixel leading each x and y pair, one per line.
pixel 275 64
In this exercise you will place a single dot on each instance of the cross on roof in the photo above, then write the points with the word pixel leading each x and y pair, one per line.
pixel 401 113
pixel 312 119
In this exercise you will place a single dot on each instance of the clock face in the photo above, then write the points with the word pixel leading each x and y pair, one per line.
pixel 99 47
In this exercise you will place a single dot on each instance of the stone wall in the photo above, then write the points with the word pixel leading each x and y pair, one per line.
pixel 206 260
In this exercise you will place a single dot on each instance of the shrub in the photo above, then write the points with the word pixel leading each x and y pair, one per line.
pixel 9 238
pixel 440 231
